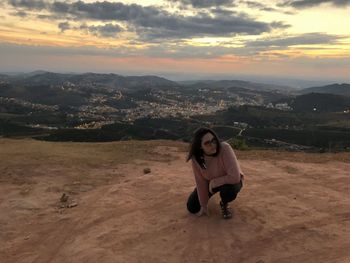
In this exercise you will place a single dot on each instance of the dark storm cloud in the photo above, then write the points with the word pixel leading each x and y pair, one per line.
pixel 151 22
pixel 299 4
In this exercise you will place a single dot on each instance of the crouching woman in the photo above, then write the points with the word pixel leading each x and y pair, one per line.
pixel 216 169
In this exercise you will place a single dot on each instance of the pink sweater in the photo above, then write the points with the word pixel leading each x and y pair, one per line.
pixel 221 169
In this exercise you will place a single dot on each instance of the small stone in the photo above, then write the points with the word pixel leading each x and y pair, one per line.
pixel 146 170
pixel 73 204
pixel 64 198
pixel 25 191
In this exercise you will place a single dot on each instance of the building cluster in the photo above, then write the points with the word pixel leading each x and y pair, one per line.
pixel 279 106
pixel 103 107
pixel 27 104
pixel 184 109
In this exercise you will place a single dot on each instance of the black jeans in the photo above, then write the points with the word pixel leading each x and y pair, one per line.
pixel 228 193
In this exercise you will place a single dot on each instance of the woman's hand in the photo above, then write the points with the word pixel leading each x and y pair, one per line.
pixel 211 186
pixel 203 211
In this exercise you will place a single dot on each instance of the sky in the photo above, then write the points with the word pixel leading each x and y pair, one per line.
pixel 305 39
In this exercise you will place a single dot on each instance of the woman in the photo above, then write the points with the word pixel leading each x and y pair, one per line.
pixel 215 169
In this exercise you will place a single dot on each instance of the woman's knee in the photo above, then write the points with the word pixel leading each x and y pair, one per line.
pixel 193 209
pixel 193 205
pixel 229 192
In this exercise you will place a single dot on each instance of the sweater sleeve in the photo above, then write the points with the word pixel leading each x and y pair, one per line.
pixel 202 185
pixel 231 166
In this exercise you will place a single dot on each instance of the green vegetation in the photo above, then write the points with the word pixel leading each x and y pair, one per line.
pixel 10 129
pixel 324 131
pixel 238 144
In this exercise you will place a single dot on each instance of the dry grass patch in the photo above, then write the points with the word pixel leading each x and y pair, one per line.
pixel 90 163
pixel 22 152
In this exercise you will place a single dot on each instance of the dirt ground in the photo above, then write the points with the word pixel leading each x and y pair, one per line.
pixel 294 207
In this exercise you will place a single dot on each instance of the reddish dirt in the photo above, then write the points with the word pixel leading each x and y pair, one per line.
pixel 291 209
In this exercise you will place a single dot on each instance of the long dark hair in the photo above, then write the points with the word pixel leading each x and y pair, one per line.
pixel 196 150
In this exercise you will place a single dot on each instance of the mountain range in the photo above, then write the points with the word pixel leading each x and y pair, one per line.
pixel 105 80
pixel 321 102
pixel 337 89
pixel 50 88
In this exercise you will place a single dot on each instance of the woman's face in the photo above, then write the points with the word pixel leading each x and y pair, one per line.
pixel 209 144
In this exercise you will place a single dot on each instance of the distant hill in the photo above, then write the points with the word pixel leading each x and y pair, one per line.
pixel 4 78
pixel 33 73
pixel 237 84
pixel 68 90
pixel 113 81
pixel 338 89
pixel 321 102
pixel 43 94
pixel 264 95
pixel 71 89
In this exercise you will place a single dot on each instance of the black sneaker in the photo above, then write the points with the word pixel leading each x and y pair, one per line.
pixel 225 211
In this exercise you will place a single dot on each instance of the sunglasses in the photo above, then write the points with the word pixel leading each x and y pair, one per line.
pixel 212 141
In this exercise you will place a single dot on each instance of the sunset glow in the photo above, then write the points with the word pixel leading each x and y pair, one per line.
pixel 288 38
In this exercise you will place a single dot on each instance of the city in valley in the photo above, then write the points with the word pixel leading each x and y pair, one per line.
pixel 104 107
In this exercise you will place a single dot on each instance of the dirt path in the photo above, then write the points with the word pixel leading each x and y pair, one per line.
pixel 288 211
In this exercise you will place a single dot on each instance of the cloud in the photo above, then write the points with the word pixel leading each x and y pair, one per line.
pixel 221 11
pixel 178 50
pixel 23 50
pixel 259 6
pixel 64 26
pixel 162 50
pixel 20 14
pixel 304 39
pixel 152 22
pixel 205 3
pixel 279 24
pixel 263 7
pixel 299 4
pixel 196 26
pixel 107 30
pixel 184 51
pixel 29 4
